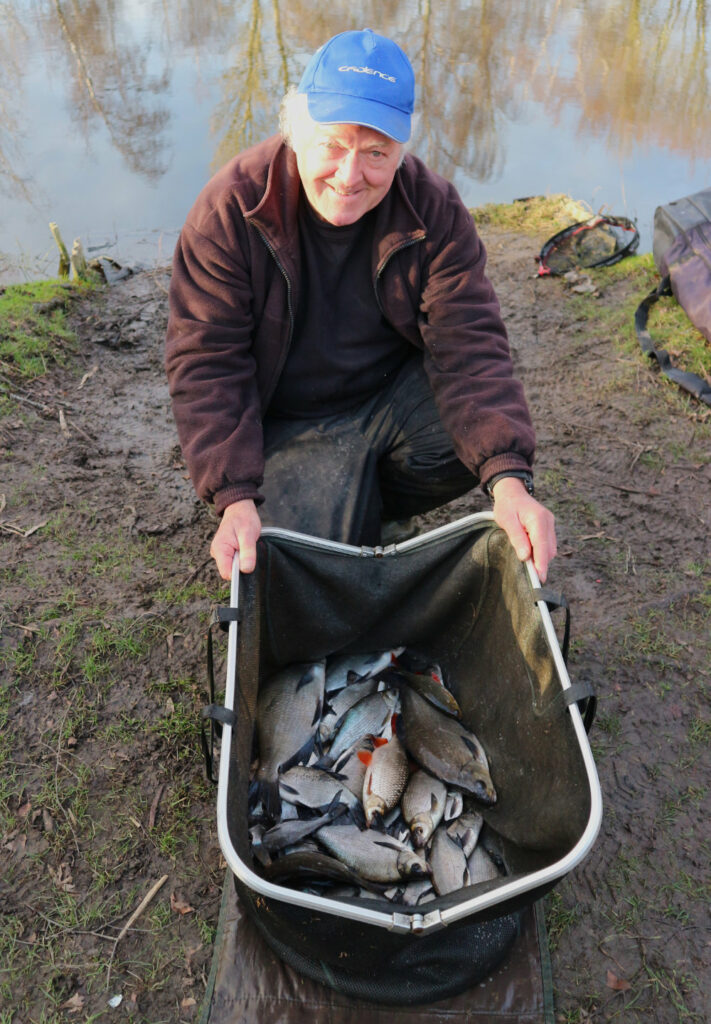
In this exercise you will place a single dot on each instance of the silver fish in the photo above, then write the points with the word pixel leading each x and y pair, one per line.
pixel 454 805
pixel 256 835
pixel 339 705
pixel 289 707
pixel 293 830
pixel 411 893
pixel 340 666
pixel 423 805
pixel 448 863
pixel 349 767
pixel 309 865
pixel 386 774
pixel 315 788
pixel 373 856
pixel 444 747
pixel 433 690
pixel 396 826
pixel 465 829
pixel 289 811
pixel 481 867
pixel 348 892
pixel 368 717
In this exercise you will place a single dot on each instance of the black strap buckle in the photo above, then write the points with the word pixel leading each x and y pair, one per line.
pixel 554 601
pixel 581 693
pixel 584 696
pixel 214 716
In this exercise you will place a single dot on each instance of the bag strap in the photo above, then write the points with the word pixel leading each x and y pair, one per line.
pixel 214 716
pixel 690 382
pixel 581 693
pixel 585 697
pixel 553 601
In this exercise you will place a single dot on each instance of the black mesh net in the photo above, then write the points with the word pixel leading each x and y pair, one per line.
pixel 464 601
pixel 600 241
pixel 364 962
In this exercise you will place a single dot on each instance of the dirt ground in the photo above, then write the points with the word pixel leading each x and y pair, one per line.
pixel 106 594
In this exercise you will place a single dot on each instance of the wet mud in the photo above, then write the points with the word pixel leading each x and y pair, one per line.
pixel 106 786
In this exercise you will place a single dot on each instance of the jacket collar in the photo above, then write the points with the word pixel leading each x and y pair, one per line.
pixel 275 215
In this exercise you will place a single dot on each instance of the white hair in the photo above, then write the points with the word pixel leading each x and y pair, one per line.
pixel 296 124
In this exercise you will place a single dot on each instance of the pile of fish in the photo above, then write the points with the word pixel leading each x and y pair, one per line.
pixel 367 782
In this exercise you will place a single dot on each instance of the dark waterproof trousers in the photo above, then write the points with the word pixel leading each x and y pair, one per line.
pixel 340 476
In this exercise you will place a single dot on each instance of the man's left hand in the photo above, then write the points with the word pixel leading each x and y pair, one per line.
pixel 529 525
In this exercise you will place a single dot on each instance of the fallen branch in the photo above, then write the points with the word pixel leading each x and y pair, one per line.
pixel 26 629
pixel 79 430
pixel 134 917
pixel 142 906
pixel 87 376
pixel 154 807
pixel 19 532
pixel 650 493
pixel 21 398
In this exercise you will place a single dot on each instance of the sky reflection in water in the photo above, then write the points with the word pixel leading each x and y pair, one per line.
pixel 113 116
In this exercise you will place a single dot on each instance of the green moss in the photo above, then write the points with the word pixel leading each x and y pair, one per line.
pixel 533 216
pixel 33 327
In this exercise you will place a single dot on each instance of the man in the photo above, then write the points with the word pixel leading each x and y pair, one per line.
pixel 335 353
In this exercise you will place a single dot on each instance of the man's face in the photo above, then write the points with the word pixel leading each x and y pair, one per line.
pixel 346 170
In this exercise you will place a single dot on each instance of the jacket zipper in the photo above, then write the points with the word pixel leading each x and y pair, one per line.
pixel 272 251
pixel 379 272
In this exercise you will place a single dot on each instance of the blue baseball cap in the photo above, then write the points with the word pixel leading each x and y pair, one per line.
pixel 361 78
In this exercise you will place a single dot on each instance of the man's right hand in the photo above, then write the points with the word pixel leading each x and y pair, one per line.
pixel 238 531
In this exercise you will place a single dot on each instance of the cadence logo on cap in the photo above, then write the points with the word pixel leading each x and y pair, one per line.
pixel 367 71
pixel 361 78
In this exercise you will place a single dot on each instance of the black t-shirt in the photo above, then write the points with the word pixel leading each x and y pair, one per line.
pixel 343 349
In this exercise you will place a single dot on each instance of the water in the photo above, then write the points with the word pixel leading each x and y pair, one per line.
pixel 113 115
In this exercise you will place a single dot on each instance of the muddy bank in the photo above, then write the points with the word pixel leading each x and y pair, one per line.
pixel 107 589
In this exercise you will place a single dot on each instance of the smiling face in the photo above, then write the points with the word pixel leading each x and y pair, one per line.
pixel 345 169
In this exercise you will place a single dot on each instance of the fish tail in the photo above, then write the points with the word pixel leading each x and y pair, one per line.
pixel 301 756
pixel 267 791
pixel 325 761
pixel 336 806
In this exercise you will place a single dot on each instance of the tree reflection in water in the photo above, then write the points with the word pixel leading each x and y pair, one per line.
pixel 636 73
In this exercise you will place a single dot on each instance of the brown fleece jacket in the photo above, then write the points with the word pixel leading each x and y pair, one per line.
pixel 233 294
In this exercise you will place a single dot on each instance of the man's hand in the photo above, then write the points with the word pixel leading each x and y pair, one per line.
pixel 530 526
pixel 239 530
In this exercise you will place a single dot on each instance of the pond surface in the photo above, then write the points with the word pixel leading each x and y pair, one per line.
pixel 113 115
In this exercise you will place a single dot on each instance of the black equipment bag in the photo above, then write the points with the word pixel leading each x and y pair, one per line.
pixel 682 254
pixel 458 596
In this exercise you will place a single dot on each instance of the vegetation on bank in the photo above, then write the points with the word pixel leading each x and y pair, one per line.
pixel 33 316
pixel 534 215
pixel 34 330
pixel 542 216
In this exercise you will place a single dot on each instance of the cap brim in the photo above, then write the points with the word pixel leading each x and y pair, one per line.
pixel 337 108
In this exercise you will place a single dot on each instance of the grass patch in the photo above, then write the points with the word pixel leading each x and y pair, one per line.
pixel 559 918
pixel 534 215
pixel 670 327
pixel 700 732
pixel 179 730
pixel 648 638
pixel 33 328
pixel 668 324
